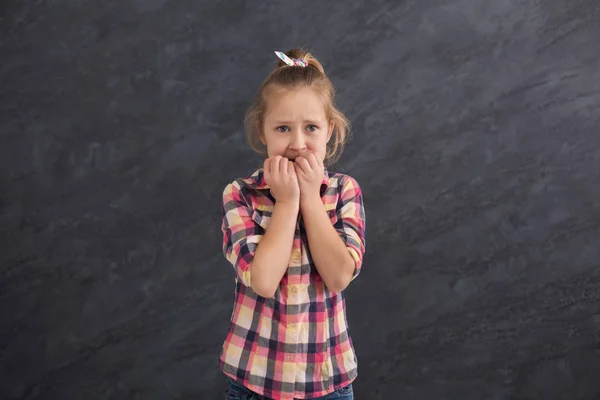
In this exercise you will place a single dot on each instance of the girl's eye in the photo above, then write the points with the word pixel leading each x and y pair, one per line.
pixel 282 128
pixel 312 128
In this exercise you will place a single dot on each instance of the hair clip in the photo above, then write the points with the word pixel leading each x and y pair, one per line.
pixel 292 62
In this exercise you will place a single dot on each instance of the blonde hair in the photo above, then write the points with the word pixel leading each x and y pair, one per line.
pixel 291 77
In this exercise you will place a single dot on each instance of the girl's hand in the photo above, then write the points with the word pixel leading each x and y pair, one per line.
pixel 310 172
pixel 281 177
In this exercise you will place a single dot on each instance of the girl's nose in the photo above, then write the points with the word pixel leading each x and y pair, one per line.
pixel 297 141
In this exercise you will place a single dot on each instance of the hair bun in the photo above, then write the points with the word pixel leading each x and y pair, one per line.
pixel 304 55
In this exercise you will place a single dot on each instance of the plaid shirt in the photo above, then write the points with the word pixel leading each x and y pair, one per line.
pixel 296 344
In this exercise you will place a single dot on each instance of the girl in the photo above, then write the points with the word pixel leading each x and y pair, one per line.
pixel 295 235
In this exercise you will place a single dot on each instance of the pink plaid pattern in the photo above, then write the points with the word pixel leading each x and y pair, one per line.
pixel 296 344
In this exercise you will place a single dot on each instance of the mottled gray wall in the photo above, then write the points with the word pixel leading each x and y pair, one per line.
pixel 476 141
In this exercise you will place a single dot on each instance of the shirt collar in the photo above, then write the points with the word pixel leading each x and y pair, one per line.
pixel 259 183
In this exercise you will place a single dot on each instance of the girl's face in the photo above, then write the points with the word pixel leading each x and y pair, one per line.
pixel 295 123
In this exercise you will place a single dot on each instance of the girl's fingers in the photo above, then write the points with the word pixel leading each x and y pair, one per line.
pixel 291 168
pixel 303 163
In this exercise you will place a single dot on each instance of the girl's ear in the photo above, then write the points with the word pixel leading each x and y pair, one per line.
pixel 260 134
pixel 331 126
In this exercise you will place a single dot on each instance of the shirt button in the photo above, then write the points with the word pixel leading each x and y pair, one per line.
pixel 293 325
pixel 289 358
pixel 295 257
pixel 294 289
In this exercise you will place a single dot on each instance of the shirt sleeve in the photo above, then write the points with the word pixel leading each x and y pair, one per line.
pixel 240 233
pixel 351 227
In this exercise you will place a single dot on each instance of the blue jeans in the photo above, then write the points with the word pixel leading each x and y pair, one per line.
pixel 235 391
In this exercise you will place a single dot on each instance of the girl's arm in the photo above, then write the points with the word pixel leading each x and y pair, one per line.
pixel 259 260
pixel 272 255
pixel 337 252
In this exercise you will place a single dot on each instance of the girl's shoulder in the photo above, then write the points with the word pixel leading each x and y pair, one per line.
pixel 246 189
pixel 253 181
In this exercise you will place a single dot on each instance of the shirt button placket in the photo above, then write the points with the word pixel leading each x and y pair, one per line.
pixel 295 262
pixel 293 325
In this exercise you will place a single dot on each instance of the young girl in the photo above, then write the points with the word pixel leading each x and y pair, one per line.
pixel 295 235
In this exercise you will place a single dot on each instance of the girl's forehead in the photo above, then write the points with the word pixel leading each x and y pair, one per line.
pixel 295 102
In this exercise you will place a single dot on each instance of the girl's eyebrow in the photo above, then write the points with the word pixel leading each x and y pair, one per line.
pixel 308 121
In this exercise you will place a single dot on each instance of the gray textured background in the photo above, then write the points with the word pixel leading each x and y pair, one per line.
pixel 476 142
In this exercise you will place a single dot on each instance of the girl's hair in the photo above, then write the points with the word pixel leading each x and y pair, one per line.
pixel 291 77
